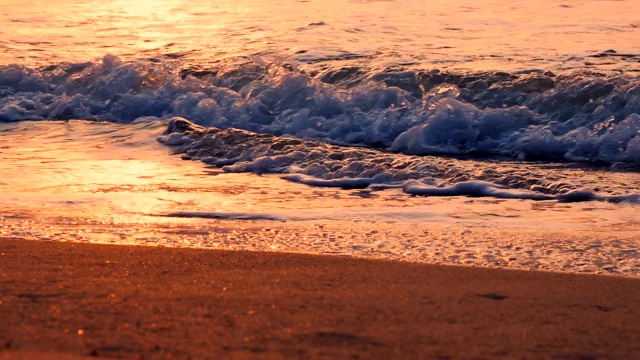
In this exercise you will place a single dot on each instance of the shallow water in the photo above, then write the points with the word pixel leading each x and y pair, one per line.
pixel 484 133
pixel 110 184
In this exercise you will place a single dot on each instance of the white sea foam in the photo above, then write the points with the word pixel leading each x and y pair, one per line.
pixel 320 164
pixel 475 189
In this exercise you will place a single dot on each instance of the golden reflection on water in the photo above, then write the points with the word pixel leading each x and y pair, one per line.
pixel 121 172
pixel 436 33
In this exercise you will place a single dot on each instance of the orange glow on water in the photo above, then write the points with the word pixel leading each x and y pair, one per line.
pixel 436 33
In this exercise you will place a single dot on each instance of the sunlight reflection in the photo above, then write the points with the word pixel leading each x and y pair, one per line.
pixel 149 8
pixel 484 34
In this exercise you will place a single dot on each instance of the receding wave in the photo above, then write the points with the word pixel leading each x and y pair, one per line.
pixel 318 163
pixel 584 116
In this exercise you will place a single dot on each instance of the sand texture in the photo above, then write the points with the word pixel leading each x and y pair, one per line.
pixel 70 300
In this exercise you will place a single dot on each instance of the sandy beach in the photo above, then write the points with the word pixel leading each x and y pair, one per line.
pixel 70 300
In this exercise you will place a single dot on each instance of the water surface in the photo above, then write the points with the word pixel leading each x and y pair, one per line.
pixel 478 133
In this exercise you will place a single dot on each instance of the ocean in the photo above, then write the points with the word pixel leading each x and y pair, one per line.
pixel 476 133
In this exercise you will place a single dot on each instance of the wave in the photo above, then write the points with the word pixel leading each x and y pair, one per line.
pixel 582 116
pixel 318 163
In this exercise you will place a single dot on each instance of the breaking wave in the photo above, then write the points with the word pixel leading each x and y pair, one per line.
pixel 583 116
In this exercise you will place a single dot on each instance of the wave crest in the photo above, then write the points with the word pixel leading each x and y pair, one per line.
pixel 582 116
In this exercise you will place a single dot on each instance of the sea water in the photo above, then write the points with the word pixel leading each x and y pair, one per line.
pixel 475 133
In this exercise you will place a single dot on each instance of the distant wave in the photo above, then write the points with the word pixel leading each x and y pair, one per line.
pixel 586 117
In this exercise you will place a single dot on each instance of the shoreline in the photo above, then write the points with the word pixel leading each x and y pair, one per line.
pixel 67 300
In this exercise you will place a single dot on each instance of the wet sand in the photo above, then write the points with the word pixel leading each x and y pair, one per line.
pixel 70 300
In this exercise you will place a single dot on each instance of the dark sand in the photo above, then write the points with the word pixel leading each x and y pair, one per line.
pixel 65 301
